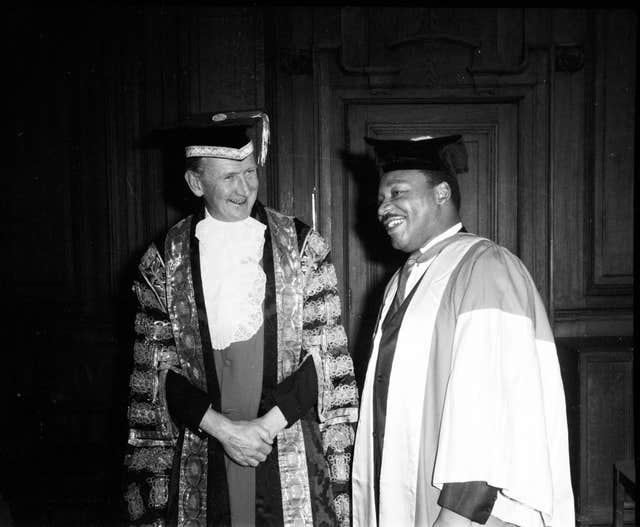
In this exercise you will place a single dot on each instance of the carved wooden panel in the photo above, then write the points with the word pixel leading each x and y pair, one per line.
pixel 606 427
pixel 225 59
pixel 598 380
pixel 568 166
pixel 593 122
pixel 610 192
pixel 427 46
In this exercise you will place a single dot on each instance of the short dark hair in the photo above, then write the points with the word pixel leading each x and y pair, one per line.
pixel 192 163
pixel 435 177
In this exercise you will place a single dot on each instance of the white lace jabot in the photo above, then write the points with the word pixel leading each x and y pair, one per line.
pixel 233 281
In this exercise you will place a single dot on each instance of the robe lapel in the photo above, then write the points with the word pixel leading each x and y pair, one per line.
pixel 391 328
pixel 218 511
pixel 268 494
pixel 386 350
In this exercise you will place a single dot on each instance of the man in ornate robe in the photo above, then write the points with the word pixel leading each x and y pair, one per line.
pixel 463 419
pixel 243 399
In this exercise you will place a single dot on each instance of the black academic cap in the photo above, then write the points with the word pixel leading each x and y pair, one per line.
pixel 446 154
pixel 227 135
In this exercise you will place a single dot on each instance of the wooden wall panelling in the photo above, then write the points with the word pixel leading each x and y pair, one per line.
pixel 610 194
pixel 45 243
pixel 292 110
pixel 568 361
pixel 533 176
pixel 325 158
pixel 276 88
pixel 69 412
pixel 101 173
pixel 567 148
pixel 81 440
pixel 43 111
pixel 225 61
pixel 379 37
pixel 598 378
pixel 302 108
pixel 69 163
pixel 124 89
pixel 594 127
pixel 160 106
pixel 606 426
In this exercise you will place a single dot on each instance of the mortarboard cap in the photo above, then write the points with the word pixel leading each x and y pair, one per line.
pixel 227 135
pixel 447 154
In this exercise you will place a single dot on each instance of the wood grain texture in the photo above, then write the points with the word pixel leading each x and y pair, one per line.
pixel 610 189
pixel 592 166
pixel 598 378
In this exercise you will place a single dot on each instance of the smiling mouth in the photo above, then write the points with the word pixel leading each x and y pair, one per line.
pixel 238 201
pixel 392 222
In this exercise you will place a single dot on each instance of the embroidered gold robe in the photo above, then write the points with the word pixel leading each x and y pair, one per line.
pixel 175 475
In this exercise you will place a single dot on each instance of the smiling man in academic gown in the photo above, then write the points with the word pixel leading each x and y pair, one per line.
pixel 462 420
pixel 243 399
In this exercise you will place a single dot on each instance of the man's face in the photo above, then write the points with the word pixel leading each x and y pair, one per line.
pixel 229 187
pixel 407 208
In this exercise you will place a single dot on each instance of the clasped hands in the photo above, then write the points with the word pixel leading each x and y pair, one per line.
pixel 248 443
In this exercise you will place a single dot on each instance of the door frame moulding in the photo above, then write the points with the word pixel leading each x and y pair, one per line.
pixel 529 90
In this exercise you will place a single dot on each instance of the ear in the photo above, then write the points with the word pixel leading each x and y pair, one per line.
pixel 193 181
pixel 443 192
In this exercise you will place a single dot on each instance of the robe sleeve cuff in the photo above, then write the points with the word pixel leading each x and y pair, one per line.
pixel 187 404
pixel 297 393
pixel 472 499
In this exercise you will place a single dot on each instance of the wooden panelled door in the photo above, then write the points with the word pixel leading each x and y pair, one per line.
pixel 489 194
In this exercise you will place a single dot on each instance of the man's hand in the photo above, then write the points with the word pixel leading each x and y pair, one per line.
pixel 273 421
pixel 245 442
pixel 448 518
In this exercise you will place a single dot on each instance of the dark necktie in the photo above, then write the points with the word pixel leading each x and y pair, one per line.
pixel 402 280
pixel 416 257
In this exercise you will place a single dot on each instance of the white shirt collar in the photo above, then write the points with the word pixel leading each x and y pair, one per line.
pixel 228 225
pixel 442 236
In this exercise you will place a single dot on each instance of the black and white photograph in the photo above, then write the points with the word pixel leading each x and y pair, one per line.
pixel 320 266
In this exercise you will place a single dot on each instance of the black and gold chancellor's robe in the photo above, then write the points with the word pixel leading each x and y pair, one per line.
pixel 176 474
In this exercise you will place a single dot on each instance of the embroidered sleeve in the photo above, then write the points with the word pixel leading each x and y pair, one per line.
pixel 325 341
pixel 152 435
pixel 323 336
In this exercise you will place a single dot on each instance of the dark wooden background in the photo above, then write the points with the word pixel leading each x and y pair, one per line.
pixel 546 99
